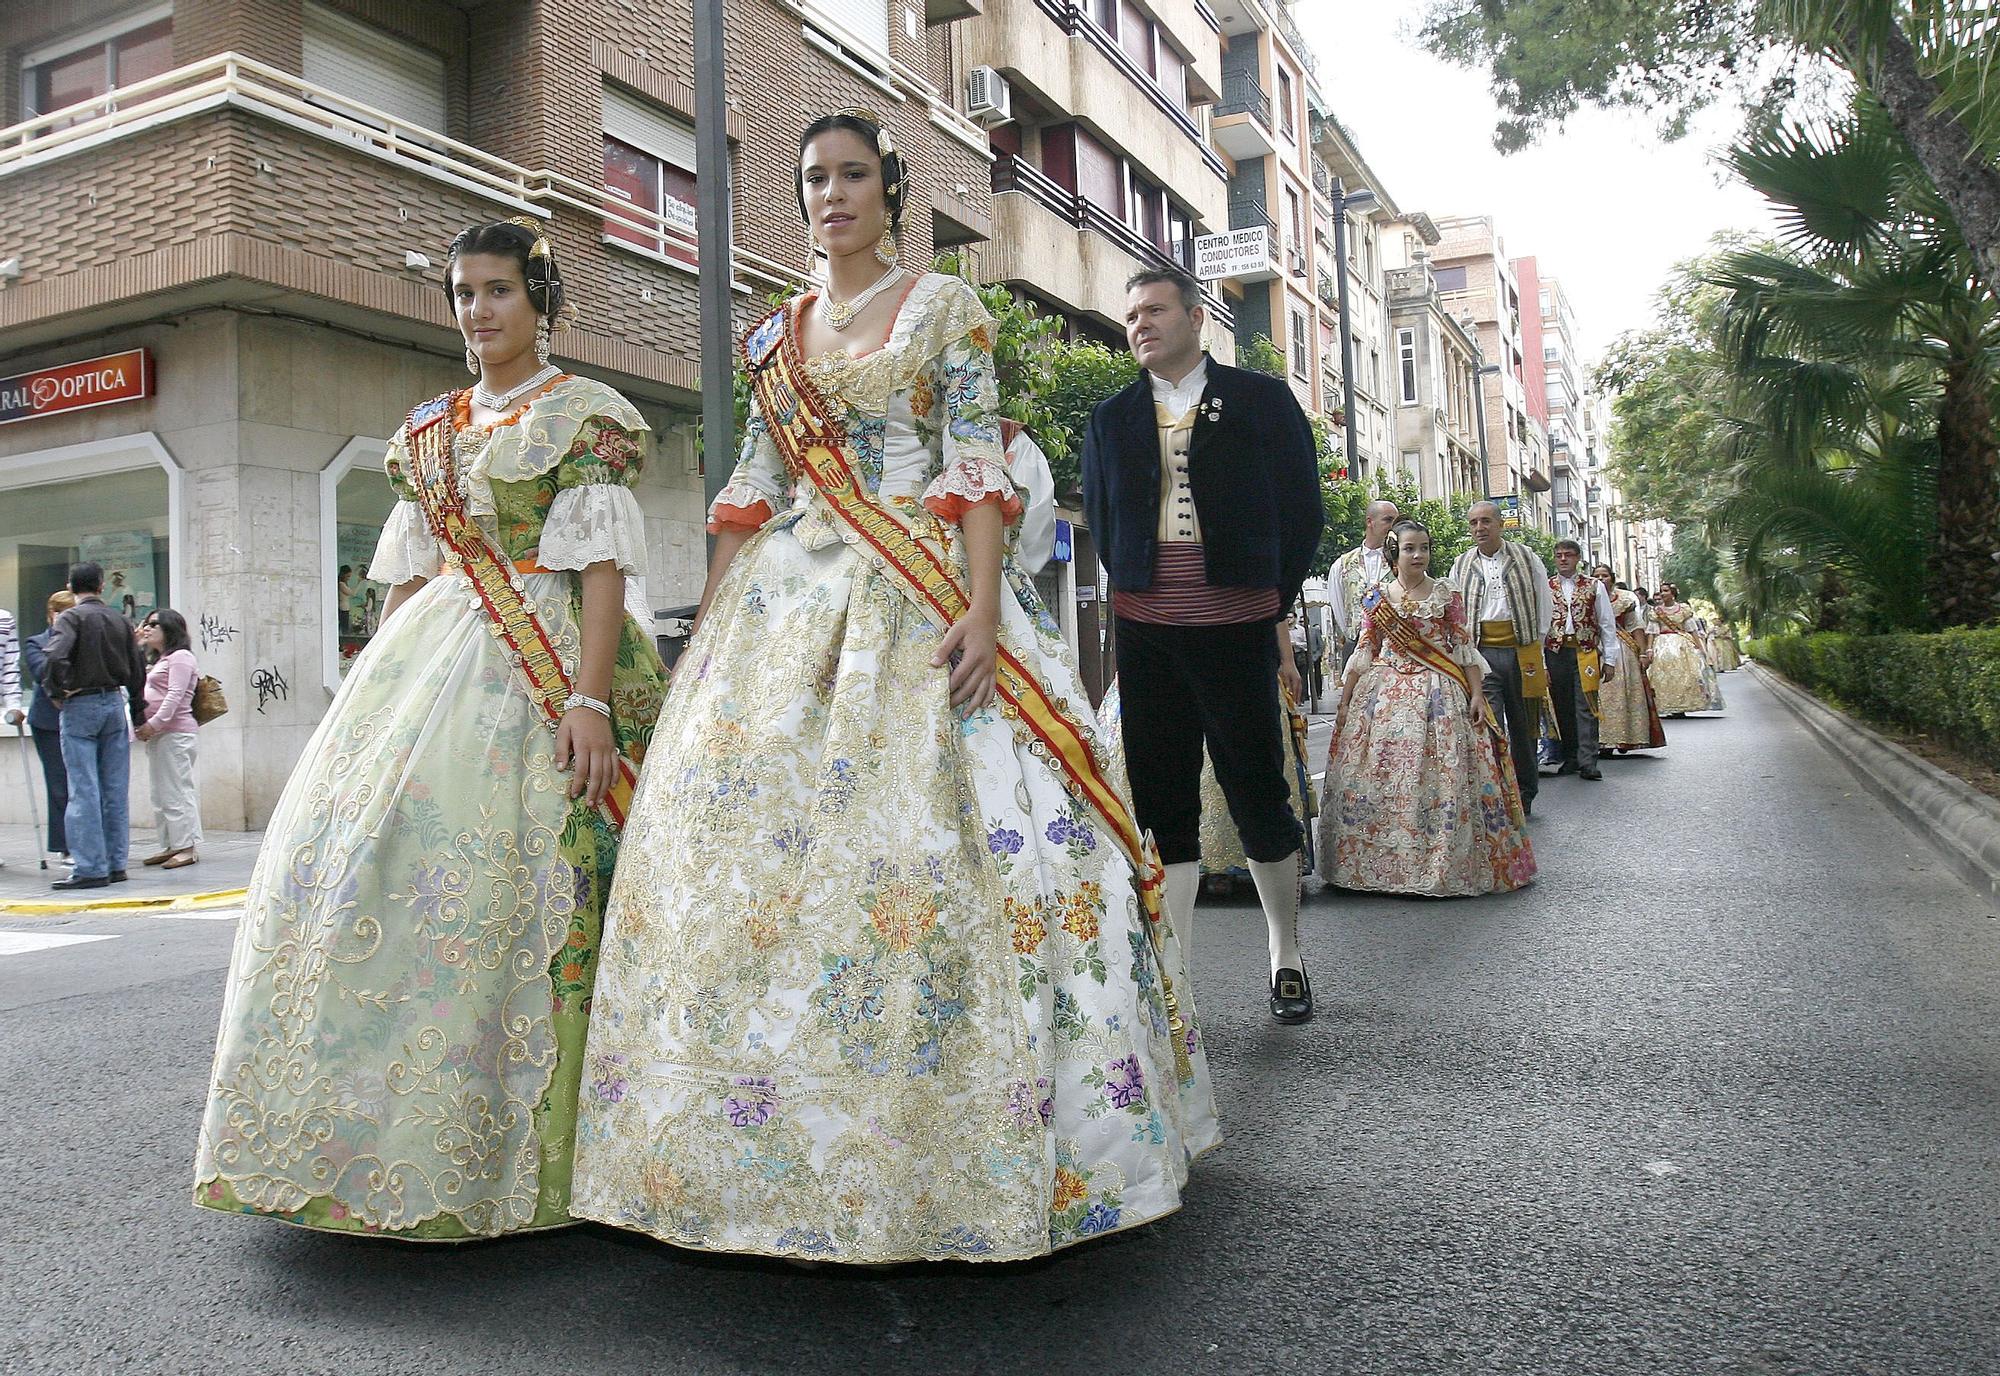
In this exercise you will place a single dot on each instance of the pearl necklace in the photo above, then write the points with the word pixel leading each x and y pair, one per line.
pixel 840 314
pixel 501 401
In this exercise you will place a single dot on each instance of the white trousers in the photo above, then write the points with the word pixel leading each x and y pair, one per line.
pixel 176 799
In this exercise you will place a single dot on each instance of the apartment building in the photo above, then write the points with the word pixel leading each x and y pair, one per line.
pixel 1436 371
pixel 1555 390
pixel 1476 281
pixel 222 231
pixel 1100 160
pixel 1352 190
pixel 1277 189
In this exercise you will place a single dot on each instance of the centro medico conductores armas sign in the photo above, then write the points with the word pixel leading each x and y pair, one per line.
pixel 76 386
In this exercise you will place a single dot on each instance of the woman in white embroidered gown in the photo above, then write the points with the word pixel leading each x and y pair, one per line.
pixel 875 987
pixel 403 1020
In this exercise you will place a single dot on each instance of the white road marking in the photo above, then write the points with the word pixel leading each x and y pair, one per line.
pixel 22 943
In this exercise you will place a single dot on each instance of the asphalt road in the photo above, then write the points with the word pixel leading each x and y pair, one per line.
pixel 1716 1095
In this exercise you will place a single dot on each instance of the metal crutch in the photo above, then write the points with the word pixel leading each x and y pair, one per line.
pixel 34 808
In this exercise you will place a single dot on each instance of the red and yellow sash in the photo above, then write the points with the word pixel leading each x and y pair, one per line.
pixel 802 426
pixel 529 648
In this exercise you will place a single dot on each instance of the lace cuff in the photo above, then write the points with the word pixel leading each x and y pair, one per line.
pixel 742 505
pixel 593 523
pixel 968 483
pixel 407 548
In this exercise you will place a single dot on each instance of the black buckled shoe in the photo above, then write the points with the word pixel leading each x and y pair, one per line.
pixel 1291 996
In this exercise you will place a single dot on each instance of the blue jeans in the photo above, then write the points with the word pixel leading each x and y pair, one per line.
pixel 97 752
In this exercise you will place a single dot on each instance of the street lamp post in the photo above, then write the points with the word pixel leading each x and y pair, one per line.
pixel 1342 203
pixel 718 400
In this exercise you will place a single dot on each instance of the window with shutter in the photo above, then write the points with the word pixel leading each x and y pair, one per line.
pixel 860 26
pixel 649 160
pixel 373 68
pixel 87 65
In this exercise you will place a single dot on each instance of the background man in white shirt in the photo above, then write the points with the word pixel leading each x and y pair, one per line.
pixel 1506 590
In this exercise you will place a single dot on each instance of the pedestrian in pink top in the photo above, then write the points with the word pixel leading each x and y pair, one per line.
pixel 169 733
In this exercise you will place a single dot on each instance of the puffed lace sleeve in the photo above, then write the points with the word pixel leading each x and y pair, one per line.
pixel 974 471
pixel 755 488
pixel 595 518
pixel 407 548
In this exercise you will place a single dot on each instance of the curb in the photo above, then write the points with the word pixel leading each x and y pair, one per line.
pixel 1959 821
pixel 171 903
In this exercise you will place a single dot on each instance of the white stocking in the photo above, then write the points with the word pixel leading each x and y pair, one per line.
pixel 1183 885
pixel 1278 890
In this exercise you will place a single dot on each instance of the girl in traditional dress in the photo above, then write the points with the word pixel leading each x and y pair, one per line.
pixel 1683 678
pixel 880 982
pixel 403 1023
pixel 1626 717
pixel 1421 796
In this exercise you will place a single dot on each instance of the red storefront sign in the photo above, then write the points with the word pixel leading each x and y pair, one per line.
pixel 76 386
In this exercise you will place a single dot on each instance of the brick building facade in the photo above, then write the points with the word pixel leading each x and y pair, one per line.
pixel 260 194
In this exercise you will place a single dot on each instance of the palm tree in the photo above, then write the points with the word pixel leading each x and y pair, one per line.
pixel 1865 358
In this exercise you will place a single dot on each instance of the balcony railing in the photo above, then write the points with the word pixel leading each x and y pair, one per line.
pixel 232 80
pixel 1329 296
pixel 1245 213
pixel 1242 95
pixel 1073 18
pixel 1295 38
pixel 1013 173
pixel 1322 177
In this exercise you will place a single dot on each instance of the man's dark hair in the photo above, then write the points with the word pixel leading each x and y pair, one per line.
pixel 1189 289
pixel 1570 545
pixel 86 577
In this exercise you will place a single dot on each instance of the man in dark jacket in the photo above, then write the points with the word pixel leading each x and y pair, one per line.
pixel 1202 490
pixel 46 723
pixel 95 677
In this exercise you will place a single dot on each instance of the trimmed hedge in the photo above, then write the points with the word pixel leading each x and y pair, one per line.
pixel 1946 685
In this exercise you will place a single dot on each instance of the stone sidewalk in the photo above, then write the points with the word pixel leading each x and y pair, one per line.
pixel 218 878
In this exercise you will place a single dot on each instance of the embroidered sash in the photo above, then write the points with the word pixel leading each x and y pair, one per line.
pixel 801 424
pixel 526 642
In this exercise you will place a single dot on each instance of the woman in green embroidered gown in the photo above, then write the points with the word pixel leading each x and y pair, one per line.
pixel 403 1022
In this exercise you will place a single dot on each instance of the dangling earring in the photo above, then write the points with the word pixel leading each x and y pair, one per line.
pixel 542 341
pixel 885 248
pixel 471 361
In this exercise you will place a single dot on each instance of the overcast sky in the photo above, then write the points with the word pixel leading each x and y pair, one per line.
pixel 1604 205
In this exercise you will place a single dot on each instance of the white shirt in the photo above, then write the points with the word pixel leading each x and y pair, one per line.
pixel 1497 606
pixel 1607 621
pixel 1494 570
pixel 1374 563
pixel 1179 398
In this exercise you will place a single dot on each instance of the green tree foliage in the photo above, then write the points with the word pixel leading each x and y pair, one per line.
pixel 1080 375
pixel 1930 63
pixel 1820 414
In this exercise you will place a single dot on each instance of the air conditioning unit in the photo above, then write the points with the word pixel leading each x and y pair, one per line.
pixel 986 97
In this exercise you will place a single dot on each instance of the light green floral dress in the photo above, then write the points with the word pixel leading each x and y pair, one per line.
pixel 403 1022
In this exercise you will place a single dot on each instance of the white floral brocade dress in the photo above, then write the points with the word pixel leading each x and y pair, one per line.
pixel 874 987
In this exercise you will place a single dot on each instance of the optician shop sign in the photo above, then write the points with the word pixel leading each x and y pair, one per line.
pixel 76 386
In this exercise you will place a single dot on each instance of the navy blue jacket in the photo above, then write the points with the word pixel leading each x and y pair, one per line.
pixel 42 715
pixel 1251 468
